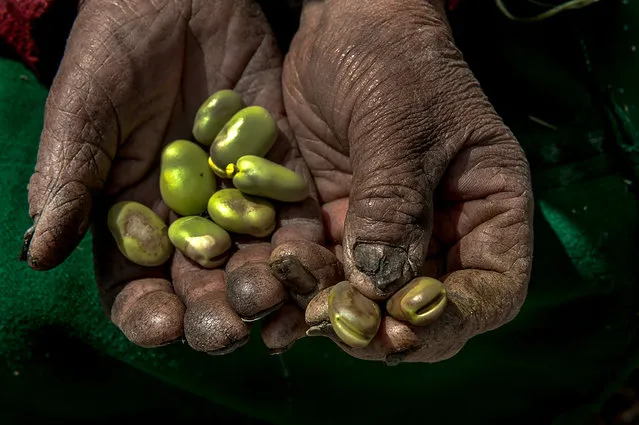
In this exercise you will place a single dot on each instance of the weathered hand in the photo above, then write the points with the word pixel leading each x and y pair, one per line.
pixel 132 77
pixel 416 172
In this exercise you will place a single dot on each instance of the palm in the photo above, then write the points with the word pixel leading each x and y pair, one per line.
pixel 132 79
pixel 163 103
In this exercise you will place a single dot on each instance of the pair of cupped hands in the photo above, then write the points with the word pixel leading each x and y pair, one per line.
pixel 412 172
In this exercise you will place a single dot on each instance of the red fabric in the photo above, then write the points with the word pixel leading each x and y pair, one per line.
pixel 16 20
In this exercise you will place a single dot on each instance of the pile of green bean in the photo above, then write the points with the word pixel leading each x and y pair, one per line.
pixel 238 138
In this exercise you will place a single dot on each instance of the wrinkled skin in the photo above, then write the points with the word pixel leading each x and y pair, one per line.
pixel 131 80
pixel 416 172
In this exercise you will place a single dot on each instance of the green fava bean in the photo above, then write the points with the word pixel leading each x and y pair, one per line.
pixel 214 113
pixel 141 235
pixel 260 177
pixel 240 213
pixel 252 131
pixel 201 240
pixel 355 318
pixel 186 180
pixel 419 303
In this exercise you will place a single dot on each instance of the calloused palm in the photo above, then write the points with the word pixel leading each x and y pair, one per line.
pixel 132 77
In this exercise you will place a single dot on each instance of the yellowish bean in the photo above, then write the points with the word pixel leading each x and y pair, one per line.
pixel 419 303
pixel 252 131
pixel 258 176
pixel 214 113
pixel 140 234
pixel 355 318
pixel 186 180
pixel 201 240
pixel 240 213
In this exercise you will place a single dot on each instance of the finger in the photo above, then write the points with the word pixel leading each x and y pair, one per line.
pixel 317 318
pixel 89 112
pixel 389 219
pixel 334 215
pixel 297 241
pixel 77 144
pixel 139 300
pixel 393 339
pixel 283 328
pixel 210 324
pixel 299 238
pixel 487 269
pixel 252 290
pixel 148 312
pixel 478 301
pixel 489 226
pixel 305 268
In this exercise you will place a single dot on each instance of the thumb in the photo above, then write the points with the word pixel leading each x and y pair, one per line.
pixel 77 145
pixel 403 131
pixel 389 220
pixel 93 106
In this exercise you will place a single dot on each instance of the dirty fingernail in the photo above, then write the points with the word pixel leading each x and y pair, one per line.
pixel 229 348
pixel 323 329
pixel 26 242
pixel 293 275
pixel 386 266
pixel 395 359
pixel 278 350
pixel 262 314
pixel 253 292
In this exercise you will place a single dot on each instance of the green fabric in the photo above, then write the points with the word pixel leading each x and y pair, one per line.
pixel 574 341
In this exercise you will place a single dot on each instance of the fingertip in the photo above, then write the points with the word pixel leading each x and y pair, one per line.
pixel 212 326
pixel 149 313
pixel 253 292
pixel 305 268
pixel 59 227
pixel 394 336
pixel 377 270
pixel 284 328
pixel 317 310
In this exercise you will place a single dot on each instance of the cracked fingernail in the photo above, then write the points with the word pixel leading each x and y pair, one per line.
pixel 293 275
pixel 386 266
